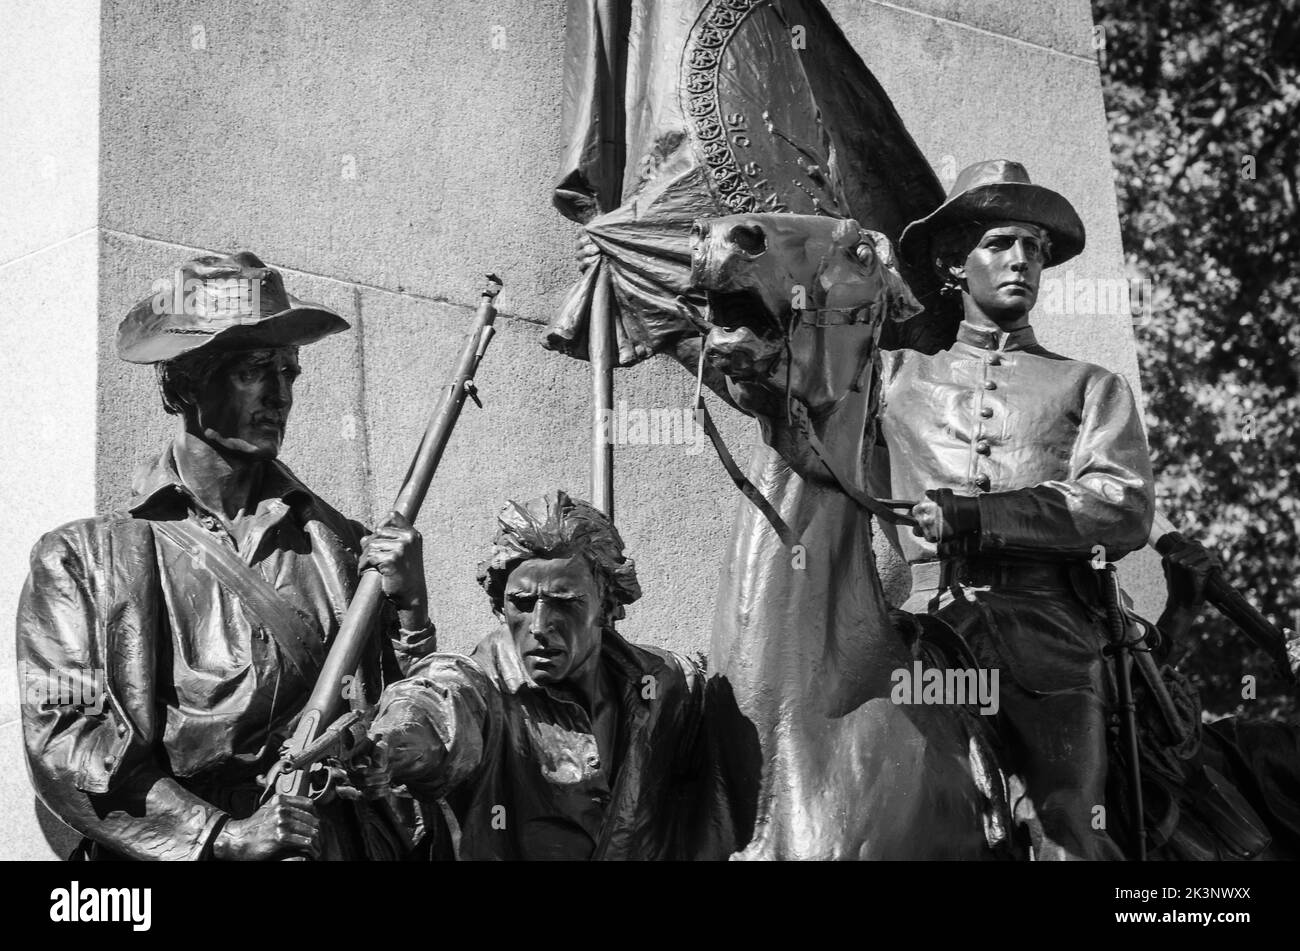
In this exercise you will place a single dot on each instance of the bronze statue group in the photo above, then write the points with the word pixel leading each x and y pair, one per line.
pixel 210 602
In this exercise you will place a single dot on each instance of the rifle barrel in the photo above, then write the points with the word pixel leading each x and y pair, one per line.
pixel 345 653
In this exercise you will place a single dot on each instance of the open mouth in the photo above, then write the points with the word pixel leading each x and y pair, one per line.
pixel 733 310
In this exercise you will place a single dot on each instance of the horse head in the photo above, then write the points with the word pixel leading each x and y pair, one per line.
pixel 796 306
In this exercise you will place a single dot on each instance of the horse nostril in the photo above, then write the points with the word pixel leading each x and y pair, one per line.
pixel 749 238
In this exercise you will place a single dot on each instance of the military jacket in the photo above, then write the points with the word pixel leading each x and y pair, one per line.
pixel 1053 447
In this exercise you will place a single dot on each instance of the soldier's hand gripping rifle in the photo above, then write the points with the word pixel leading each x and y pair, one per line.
pixel 1258 629
pixel 302 769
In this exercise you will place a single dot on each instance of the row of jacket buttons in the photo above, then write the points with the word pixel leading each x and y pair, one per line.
pixel 982 446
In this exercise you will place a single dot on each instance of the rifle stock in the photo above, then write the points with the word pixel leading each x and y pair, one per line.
pixel 345 653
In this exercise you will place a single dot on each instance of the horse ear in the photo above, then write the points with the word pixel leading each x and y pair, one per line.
pixel 847 234
pixel 873 278
pixel 844 279
pixel 901 304
pixel 882 246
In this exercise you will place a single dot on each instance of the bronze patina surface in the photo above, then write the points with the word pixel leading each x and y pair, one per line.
pixel 1029 464
pixel 203 610
pixel 556 738
pixel 819 761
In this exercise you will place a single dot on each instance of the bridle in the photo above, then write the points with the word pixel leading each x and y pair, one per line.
pixel 797 414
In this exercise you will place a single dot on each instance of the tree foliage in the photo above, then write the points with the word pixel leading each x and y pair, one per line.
pixel 1203 102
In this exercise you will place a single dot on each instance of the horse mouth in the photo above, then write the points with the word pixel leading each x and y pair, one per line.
pixel 740 354
pixel 733 310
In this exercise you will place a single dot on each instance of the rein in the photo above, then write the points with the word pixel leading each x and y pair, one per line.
pixel 888 510
pixel 797 413
pixel 747 488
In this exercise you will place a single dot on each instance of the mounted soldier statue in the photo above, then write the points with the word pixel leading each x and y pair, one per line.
pixel 1020 463
pixel 1027 462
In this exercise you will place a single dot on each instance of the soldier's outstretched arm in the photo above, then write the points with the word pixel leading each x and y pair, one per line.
pixel 439 725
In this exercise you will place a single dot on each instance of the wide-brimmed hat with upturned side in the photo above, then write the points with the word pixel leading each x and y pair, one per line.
pixel 991 191
pixel 221 302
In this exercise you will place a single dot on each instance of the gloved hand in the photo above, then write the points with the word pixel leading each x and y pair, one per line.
pixel 1186 569
pixel 950 520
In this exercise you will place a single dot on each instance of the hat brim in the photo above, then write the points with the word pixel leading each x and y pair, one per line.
pixel 1001 201
pixel 143 338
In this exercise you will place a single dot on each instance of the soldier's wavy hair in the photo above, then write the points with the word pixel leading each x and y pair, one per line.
pixel 181 378
pixel 556 526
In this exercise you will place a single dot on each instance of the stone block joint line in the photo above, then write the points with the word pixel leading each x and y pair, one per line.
pixel 424 298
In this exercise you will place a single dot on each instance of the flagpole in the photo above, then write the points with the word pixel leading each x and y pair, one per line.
pixel 600 323
pixel 600 345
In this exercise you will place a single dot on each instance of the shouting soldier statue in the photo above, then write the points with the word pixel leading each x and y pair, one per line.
pixel 204 609
pixel 556 738
pixel 1028 464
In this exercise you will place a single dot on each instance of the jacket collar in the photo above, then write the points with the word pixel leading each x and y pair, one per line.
pixel 982 339
pixel 158 484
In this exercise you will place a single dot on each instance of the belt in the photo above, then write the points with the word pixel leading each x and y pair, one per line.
pixel 987 573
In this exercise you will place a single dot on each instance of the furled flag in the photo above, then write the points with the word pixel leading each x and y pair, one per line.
pixel 701 108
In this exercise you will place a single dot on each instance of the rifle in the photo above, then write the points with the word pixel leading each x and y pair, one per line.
pixel 1164 538
pixel 302 769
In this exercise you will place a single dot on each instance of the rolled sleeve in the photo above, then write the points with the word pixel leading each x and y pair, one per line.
pixel 412 646
pixel 452 696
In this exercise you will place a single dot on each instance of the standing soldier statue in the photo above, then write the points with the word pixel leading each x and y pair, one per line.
pixel 1029 464
pixel 202 611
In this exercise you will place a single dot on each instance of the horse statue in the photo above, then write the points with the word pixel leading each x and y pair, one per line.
pixel 819 760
